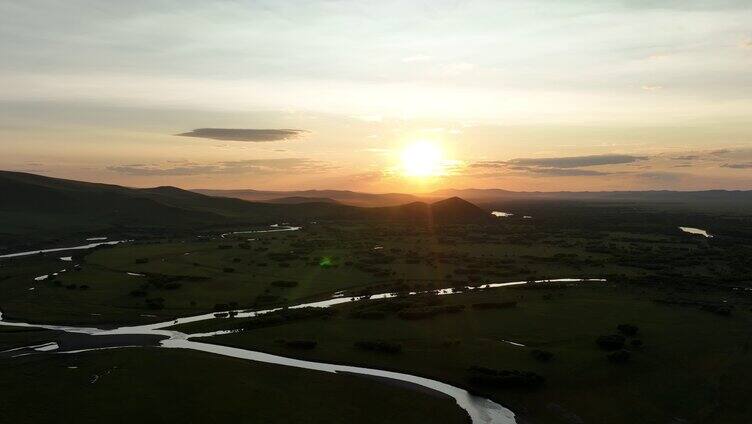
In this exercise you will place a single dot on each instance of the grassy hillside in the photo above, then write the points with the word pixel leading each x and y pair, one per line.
pixel 343 196
pixel 35 209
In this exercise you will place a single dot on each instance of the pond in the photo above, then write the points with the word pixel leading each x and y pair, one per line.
pixel 500 214
pixel 697 231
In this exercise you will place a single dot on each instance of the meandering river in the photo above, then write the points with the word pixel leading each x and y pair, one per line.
pixel 480 410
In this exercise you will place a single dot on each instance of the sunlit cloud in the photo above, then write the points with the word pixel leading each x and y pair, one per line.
pixel 558 166
pixel 250 135
pixel 561 172
pixel 686 157
pixel 747 165
pixel 578 161
pixel 501 78
pixel 250 166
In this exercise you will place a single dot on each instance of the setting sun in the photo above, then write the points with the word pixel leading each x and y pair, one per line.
pixel 422 159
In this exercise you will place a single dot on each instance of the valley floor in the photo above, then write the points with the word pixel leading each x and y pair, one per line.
pixel 534 349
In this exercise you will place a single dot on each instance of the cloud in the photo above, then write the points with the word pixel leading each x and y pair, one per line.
pixel 369 176
pixel 747 165
pixel 557 166
pixel 504 168
pixel 255 166
pixel 561 172
pixel 720 152
pixel 541 172
pixel 490 164
pixel 661 176
pixel 249 135
pixel 714 156
pixel 577 161
pixel 652 87
pixel 686 157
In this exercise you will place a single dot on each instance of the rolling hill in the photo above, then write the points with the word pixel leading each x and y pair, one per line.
pixel 346 197
pixel 449 211
pixel 36 209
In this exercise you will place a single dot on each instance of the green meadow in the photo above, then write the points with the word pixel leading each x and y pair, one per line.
pixel 149 385
pixel 538 350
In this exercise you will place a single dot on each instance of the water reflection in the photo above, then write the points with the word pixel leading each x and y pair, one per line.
pixel 481 410
pixel 697 231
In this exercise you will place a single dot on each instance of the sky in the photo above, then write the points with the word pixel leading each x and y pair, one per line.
pixel 406 96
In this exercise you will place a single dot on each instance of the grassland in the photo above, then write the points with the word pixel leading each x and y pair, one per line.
pixel 687 294
pixel 192 275
pixel 157 386
pixel 694 364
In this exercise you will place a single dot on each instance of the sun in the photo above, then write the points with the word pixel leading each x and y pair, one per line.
pixel 422 159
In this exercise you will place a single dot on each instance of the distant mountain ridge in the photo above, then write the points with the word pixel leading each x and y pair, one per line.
pixel 347 197
pixel 647 195
pixel 294 200
pixel 45 208
pixel 447 211
pixel 483 195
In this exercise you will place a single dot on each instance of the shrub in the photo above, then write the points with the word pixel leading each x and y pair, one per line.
pixel 611 342
pixel 285 284
pixel 429 311
pixel 267 298
pixel 504 378
pixel 541 355
pixel 155 303
pixel 161 281
pixel 138 293
pixel 142 260
pixel 228 269
pixel 717 309
pixel 637 343
pixel 450 342
pixel 83 287
pixel 494 305
pixel 283 316
pixel 620 356
pixel 301 344
pixel 627 329
pixel 367 315
pixel 282 257
pixel 379 346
